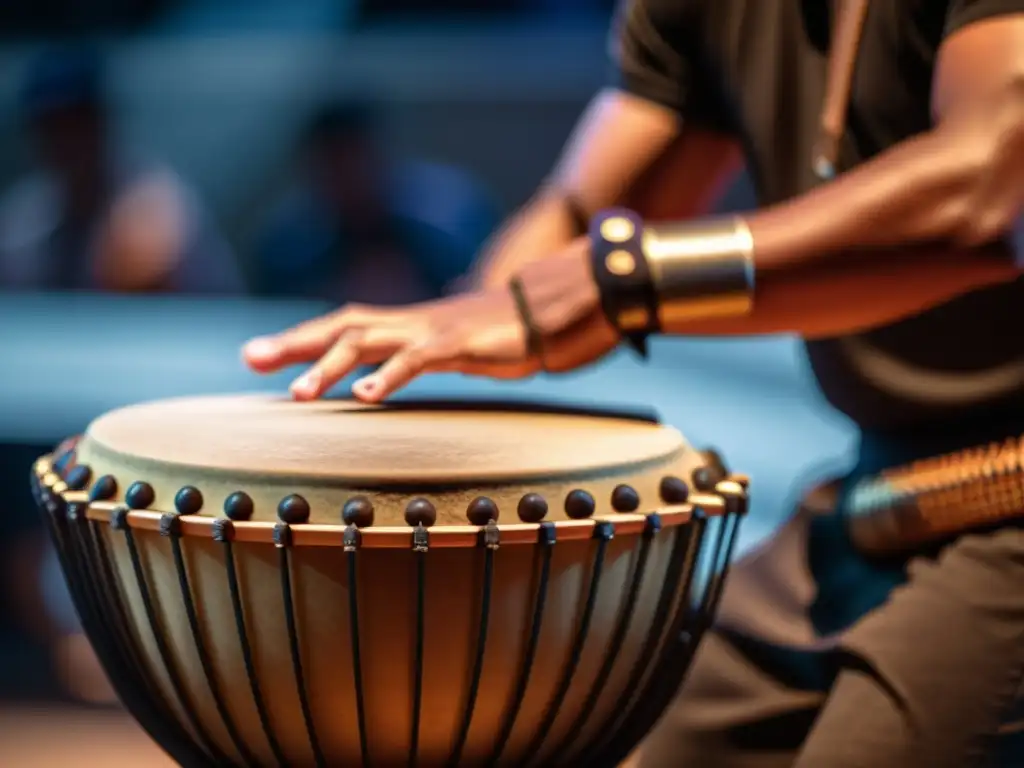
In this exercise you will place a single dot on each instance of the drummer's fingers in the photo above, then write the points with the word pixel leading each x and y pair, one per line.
pixel 341 358
pixel 400 369
pixel 306 341
pixel 359 346
pixel 298 345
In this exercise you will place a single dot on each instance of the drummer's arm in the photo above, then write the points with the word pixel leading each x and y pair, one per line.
pixel 647 142
pixel 626 150
pixel 928 220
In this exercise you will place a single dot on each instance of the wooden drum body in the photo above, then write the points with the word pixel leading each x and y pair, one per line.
pixel 270 583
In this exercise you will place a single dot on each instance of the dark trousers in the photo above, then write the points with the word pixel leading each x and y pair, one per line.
pixel 820 659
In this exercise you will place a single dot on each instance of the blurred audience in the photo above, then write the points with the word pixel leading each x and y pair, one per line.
pixel 90 216
pixel 373 10
pixel 362 225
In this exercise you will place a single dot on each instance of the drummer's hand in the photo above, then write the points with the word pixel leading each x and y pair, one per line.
pixel 477 333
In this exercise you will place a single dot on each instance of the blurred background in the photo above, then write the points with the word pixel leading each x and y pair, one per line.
pixel 179 175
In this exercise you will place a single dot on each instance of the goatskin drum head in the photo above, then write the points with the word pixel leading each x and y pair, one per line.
pixel 328 452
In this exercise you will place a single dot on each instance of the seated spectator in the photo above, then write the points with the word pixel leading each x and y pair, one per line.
pixel 89 217
pixel 359 225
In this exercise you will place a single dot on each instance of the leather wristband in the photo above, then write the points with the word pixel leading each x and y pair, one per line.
pixel 534 338
pixel 620 268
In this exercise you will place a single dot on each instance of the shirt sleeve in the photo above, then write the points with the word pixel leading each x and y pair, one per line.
pixel 655 57
pixel 645 63
pixel 961 13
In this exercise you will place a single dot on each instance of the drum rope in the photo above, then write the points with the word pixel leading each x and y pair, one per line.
pixel 110 607
pixel 282 540
pixel 201 651
pixel 420 547
pixel 681 645
pixel 357 659
pixel 120 515
pixel 678 576
pixel 114 605
pixel 652 526
pixel 603 532
pixel 153 722
pixel 546 537
pixel 721 559
pixel 222 533
pixel 490 536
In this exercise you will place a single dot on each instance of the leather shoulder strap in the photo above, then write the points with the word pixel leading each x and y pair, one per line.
pixel 842 62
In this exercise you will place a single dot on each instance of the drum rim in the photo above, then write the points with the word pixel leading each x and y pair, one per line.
pixel 729 496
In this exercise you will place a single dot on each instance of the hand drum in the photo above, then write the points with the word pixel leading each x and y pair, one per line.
pixel 269 583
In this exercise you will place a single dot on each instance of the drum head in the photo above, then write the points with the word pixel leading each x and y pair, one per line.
pixel 269 448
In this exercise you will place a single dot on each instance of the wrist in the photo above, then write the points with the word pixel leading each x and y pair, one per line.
pixel 562 298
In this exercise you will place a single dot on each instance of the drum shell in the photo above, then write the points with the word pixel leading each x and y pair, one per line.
pixel 387 589
pixel 616 596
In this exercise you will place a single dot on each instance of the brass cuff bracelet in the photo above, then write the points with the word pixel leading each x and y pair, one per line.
pixel 701 269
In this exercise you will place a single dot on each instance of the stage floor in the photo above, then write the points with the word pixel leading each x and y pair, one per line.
pixel 46 738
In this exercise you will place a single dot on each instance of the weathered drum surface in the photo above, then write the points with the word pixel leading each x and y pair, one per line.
pixel 334 584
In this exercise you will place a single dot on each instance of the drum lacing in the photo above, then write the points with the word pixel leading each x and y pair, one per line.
pixel 104 620
pixel 170 528
pixel 283 542
pixel 618 728
pixel 652 526
pixel 119 522
pixel 546 537
pixel 491 538
pixel 603 532
pixel 223 532
pixel 351 540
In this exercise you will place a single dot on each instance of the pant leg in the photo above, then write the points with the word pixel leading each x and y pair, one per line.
pixel 928 678
pixel 731 714
pixel 750 698
pixel 923 678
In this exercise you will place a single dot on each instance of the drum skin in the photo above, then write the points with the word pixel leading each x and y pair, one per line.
pixel 429 636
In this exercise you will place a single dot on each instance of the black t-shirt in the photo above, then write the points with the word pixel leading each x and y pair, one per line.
pixel 756 69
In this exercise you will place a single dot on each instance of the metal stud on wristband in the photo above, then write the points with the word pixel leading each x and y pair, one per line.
pixel 623 276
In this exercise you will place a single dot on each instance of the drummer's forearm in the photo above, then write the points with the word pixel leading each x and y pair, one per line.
pixel 908 230
pixel 544 226
pixel 625 151
pixel 837 297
